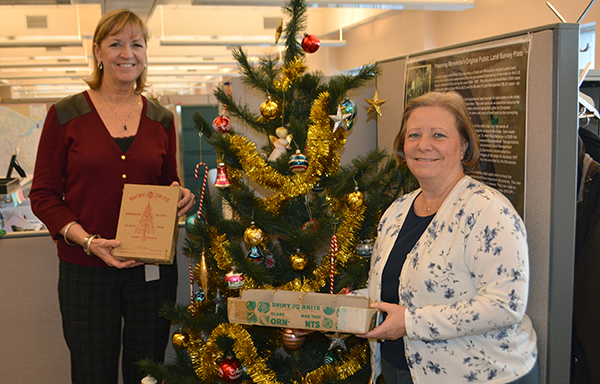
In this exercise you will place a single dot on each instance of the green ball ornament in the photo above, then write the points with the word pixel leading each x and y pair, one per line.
pixel 330 357
pixel 349 124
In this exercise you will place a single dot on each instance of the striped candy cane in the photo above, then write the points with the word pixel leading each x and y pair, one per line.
pixel 334 249
pixel 192 309
pixel 203 185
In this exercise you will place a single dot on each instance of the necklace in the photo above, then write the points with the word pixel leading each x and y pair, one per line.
pixel 115 112
pixel 443 195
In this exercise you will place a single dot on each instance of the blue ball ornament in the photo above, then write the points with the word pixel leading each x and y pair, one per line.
pixel 349 106
pixel 199 296
pixel 298 162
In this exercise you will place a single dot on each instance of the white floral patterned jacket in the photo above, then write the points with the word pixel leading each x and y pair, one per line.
pixel 465 287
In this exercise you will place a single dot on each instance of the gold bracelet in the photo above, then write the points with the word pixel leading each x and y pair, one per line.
pixel 67 230
pixel 87 242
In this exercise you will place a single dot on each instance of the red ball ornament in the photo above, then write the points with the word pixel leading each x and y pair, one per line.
pixel 230 370
pixel 310 43
pixel 221 124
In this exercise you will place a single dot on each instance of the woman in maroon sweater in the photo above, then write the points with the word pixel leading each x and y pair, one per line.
pixel 92 144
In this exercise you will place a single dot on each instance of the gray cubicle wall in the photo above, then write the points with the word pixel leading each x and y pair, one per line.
pixel 551 161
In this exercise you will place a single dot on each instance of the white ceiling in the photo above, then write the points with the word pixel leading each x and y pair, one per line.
pixel 45 45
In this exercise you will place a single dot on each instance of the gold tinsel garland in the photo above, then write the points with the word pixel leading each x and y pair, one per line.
pixel 324 160
pixel 206 359
pixel 218 249
pixel 358 356
pixel 290 72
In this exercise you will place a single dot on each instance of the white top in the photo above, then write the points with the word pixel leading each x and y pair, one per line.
pixel 465 287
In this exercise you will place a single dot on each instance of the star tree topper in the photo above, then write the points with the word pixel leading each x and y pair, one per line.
pixel 375 104
pixel 339 119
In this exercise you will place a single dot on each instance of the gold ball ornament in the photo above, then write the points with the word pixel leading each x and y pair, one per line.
pixel 180 339
pixel 355 199
pixel 253 235
pixel 298 261
pixel 268 109
pixel 290 340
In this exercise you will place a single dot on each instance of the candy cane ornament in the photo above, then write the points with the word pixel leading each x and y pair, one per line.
pixel 192 308
pixel 203 185
pixel 334 249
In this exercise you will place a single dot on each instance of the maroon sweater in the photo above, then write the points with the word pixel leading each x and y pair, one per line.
pixel 80 170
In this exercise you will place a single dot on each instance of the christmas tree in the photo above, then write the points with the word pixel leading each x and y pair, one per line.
pixel 314 231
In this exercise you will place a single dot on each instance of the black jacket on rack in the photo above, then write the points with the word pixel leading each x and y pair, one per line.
pixel 586 291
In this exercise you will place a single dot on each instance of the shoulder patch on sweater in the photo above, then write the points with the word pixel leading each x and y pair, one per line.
pixel 159 113
pixel 71 107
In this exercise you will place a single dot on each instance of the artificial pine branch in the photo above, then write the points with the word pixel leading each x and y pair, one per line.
pixel 242 112
pixel 181 371
pixel 296 11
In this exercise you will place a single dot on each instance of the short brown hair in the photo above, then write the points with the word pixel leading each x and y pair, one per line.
pixel 112 23
pixel 453 103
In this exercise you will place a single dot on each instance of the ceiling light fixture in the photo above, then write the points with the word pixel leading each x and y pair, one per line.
pixel 166 41
pixel 425 5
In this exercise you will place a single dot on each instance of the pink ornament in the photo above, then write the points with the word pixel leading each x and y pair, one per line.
pixel 234 280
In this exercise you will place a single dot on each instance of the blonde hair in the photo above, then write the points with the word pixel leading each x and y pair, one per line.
pixel 455 104
pixel 110 24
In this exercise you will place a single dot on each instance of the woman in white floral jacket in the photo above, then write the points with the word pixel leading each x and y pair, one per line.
pixel 450 269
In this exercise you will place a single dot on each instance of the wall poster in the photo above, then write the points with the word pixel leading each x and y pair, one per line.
pixel 493 82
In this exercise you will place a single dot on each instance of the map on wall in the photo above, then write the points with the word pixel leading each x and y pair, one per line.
pixel 20 129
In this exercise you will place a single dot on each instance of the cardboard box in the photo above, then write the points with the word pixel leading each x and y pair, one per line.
pixel 302 310
pixel 147 226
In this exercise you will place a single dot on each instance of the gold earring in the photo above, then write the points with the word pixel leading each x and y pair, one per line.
pixel 100 66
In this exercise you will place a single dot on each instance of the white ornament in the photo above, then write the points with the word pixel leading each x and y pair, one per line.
pixel 281 143
pixel 149 380
pixel 339 119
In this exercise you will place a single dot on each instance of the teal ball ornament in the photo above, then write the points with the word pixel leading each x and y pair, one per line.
pixel 349 106
pixel 191 222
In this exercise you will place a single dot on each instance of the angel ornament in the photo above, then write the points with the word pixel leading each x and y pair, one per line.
pixel 281 143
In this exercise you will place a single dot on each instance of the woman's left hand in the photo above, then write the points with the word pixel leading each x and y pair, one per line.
pixel 187 200
pixel 393 326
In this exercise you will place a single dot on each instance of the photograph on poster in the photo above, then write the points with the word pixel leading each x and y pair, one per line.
pixel 493 82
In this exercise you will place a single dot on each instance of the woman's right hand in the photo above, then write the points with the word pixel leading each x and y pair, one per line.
pixel 103 248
